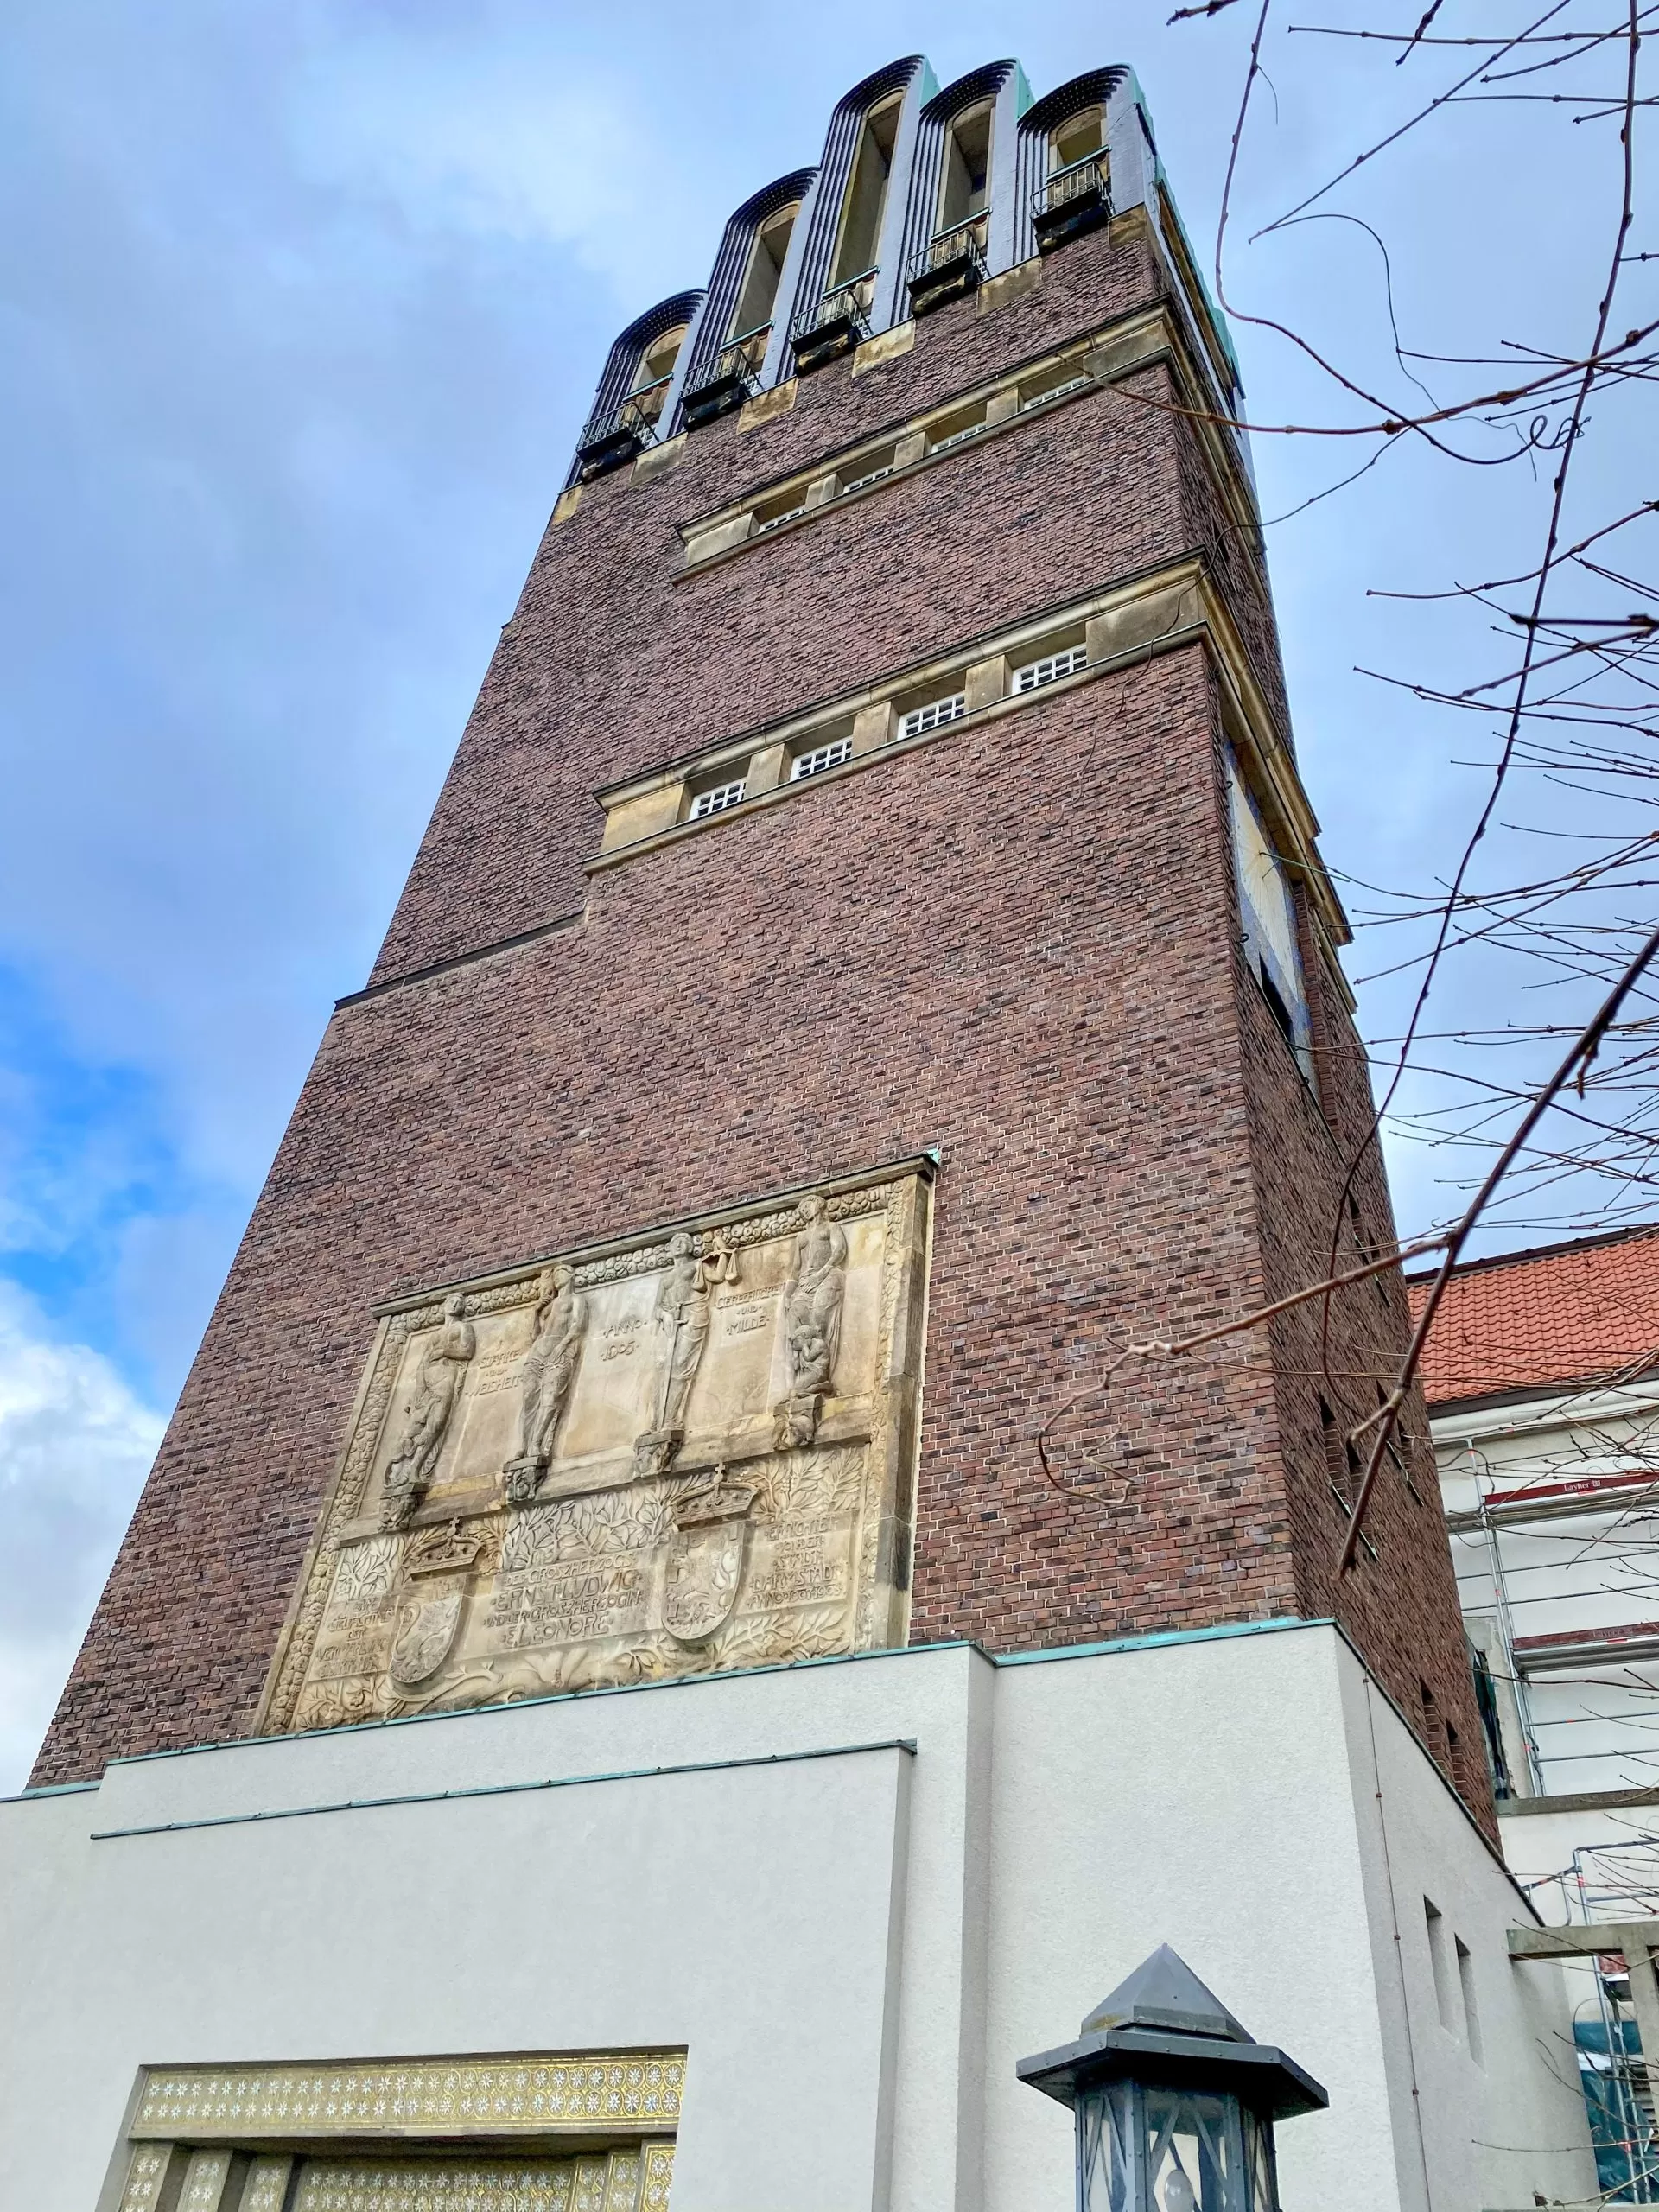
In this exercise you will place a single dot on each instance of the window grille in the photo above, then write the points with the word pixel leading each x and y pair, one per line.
pixel 1051 668
pixel 718 799
pixel 1035 397
pixel 820 758
pixel 936 712
pixel 955 437
pixel 870 476
pixel 775 522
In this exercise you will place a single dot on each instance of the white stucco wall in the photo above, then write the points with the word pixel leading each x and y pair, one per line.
pixel 1573 1566
pixel 811 1928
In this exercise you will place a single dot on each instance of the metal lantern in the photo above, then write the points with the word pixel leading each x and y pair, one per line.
pixel 1174 2103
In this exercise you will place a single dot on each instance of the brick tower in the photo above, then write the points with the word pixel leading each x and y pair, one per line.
pixel 887 759
pixel 870 958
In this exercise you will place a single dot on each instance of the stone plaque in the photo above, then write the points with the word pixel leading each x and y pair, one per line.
pixel 690 1452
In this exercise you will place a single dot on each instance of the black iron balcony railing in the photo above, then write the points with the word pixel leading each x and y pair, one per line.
pixel 644 404
pixel 614 436
pixel 840 321
pixel 744 354
pixel 731 380
pixel 1075 199
pixel 951 262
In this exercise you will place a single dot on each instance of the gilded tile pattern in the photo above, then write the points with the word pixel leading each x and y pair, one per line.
pixel 633 2093
pixel 267 2185
pixel 659 2171
pixel 204 2183
pixel 143 2179
pixel 602 2183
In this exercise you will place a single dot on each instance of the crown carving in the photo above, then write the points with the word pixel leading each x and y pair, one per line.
pixel 441 1550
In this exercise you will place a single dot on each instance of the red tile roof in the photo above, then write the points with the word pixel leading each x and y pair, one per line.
pixel 1564 1315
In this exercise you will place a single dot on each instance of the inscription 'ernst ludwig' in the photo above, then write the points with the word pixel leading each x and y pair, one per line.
pixel 690 1452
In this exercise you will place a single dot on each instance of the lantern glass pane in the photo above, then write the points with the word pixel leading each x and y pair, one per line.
pixel 1194 2153
pixel 1107 2133
pixel 1258 2159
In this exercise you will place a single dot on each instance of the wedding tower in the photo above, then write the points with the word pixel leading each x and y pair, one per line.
pixel 648 1659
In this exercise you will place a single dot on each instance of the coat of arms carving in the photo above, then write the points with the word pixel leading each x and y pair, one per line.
pixel 689 1449
pixel 703 1567
pixel 426 1629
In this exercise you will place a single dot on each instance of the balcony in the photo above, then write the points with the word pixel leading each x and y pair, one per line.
pixel 1075 200
pixel 612 439
pixel 733 379
pixel 951 265
pixel 840 321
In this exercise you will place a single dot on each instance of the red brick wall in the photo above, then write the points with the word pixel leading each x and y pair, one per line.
pixel 1018 944
pixel 610 666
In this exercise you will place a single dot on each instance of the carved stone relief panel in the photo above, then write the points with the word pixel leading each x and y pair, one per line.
pixel 692 1450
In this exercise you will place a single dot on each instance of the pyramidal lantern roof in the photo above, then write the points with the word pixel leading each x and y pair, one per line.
pixel 1163 1991
pixel 1162 2025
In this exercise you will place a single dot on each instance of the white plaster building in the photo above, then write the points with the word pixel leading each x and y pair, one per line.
pixel 853 1892
pixel 1545 1412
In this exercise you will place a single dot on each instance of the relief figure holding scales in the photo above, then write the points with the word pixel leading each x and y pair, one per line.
pixel 547 1373
pixel 680 1318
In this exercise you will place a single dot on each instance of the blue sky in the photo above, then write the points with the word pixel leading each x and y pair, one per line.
pixel 301 307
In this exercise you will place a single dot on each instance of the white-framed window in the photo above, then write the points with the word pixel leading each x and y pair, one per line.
pixel 718 797
pixel 1051 668
pixel 775 512
pixel 866 472
pixel 1050 386
pixel 820 758
pixel 936 712
pixel 954 433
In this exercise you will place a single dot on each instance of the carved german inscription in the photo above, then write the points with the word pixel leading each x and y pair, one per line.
pixel 692 1451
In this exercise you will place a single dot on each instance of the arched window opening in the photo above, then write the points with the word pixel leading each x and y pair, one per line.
pixel 1078 138
pixel 966 181
pixel 654 374
pixel 867 195
pixel 1071 179
pixel 752 318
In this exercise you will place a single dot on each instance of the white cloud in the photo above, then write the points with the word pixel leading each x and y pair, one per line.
pixel 75 1445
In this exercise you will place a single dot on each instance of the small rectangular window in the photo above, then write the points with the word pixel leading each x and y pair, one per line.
pixel 956 429
pixel 785 508
pixel 718 797
pixel 935 713
pixel 1069 377
pixel 870 470
pixel 1051 668
pixel 820 758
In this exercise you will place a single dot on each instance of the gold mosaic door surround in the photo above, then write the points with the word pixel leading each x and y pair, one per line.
pixel 566 2132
